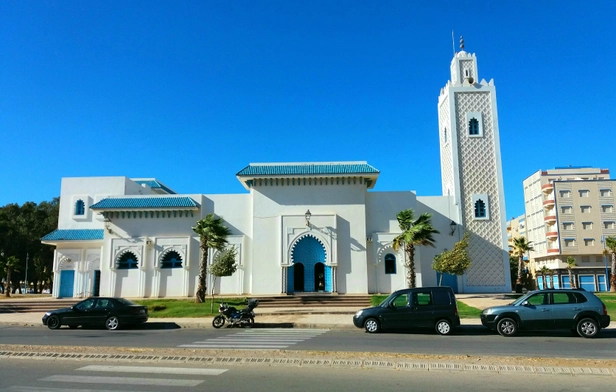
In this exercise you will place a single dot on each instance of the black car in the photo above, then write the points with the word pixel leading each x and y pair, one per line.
pixel 578 310
pixel 424 307
pixel 110 312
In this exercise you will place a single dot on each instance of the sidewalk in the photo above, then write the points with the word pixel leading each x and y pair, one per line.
pixel 305 317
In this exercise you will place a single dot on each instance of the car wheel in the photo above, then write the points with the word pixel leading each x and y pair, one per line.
pixel 112 323
pixel 73 326
pixel 372 325
pixel 53 322
pixel 507 327
pixel 218 322
pixel 443 327
pixel 587 328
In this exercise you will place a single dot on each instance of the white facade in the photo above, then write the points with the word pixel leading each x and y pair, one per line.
pixel 133 237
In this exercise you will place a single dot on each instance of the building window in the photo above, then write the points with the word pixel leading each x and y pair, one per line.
pixel 445 135
pixel 607 208
pixel 390 264
pixel 172 259
pixel 609 225
pixel 567 209
pixel 473 127
pixel 606 192
pixel 569 242
pixel 584 193
pixel 585 259
pixel 587 225
pixel 480 209
pixel 80 207
pixel 566 194
pixel 127 261
pixel 589 241
pixel 585 209
pixel 568 226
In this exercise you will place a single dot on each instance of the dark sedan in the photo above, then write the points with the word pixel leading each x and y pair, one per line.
pixel 110 312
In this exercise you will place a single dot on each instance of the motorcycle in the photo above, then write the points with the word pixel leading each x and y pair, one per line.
pixel 243 318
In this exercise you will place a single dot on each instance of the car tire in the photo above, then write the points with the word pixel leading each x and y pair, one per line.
pixel 443 327
pixel 112 323
pixel 587 328
pixel 53 322
pixel 372 325
pixel 218 322
pixel 73 326
pixel 507 327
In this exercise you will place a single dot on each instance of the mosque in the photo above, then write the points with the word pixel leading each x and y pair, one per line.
pixel 302 227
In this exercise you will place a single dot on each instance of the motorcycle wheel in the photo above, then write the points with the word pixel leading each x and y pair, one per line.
pixel 249 322
pixel 218 322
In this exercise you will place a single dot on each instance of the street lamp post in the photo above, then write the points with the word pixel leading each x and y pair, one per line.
pixel 27 286
pixel 607 277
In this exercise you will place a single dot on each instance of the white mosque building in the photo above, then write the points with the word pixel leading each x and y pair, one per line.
pixel 300 227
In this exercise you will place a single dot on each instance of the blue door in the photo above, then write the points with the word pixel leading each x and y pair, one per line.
pixel 555 284
pixel 602 285
pixel 448 280
pixel 587 282
pixel 566 283
pixel 67 280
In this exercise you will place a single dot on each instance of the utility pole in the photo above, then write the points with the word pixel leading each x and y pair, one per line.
pixel 27 285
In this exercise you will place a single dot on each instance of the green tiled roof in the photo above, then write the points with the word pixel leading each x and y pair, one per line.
pixel 145 202
pixel 74 235
pixel 294 169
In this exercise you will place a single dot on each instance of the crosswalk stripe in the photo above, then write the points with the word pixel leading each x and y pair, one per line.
pixel 153 369
pixel 247 346
pixel 49 389
pixel 124 380
pixel 262 338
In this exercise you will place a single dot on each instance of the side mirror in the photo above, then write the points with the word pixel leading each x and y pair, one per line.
pixel 525 303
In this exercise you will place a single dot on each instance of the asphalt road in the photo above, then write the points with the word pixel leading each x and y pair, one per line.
pixel 470 340
pixel 68 376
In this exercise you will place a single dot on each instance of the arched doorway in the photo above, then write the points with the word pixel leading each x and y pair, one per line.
pixel 309 272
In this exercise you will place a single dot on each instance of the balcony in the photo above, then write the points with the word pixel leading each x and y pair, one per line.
pixel 550 219
pixel 548 203
pixel 547 188
pixel 553 251
pixel 551 235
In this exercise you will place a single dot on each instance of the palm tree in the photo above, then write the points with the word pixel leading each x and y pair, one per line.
pixel 414 232
pixel 546 273
pixel 8 266
pixel 570 265
pixel 212 235
pixel 610 245
pixel 519 248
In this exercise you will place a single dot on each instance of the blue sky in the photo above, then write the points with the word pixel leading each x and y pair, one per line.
pixel 190 92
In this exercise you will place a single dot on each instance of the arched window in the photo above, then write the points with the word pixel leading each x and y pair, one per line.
pixel 390 264
pixel 172 259
pixel 127 261
pixel 80 207
pixel 473 127
pixel 480 209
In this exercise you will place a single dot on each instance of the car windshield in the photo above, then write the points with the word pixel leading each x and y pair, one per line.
pixel 520 300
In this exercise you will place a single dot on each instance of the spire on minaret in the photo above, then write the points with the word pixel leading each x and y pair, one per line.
pixel 462 43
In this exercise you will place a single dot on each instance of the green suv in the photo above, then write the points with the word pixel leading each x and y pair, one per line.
pixel 578 310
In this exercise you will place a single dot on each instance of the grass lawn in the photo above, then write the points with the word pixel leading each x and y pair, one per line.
pixel 187 307
pixel 609 299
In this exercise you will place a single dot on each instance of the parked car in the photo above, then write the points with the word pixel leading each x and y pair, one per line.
pixel 578 310
pixel 110 312
pixel 424 307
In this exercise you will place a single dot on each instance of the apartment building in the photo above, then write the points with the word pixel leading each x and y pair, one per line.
pixel 516 227
pixel 569 211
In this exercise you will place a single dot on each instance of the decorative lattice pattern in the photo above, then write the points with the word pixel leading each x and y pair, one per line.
pixel 478 174
pixel 447 176
pixel 466 65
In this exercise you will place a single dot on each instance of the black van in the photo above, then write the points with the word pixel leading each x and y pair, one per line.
pixel 421 307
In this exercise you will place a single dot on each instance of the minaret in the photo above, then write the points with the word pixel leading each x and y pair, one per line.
pixel 471 172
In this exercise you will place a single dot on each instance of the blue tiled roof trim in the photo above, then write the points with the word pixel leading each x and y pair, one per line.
pixel 145 202
pixel 74 235
pixel 155 184
pixel 308 169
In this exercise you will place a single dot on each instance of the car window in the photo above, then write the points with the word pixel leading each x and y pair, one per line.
pixel 563 298
pixel 85 305
pixel 538 299
pixel 102 303
pixel 422 298
pixel 441 298
pixel 579 298
pixel 401 301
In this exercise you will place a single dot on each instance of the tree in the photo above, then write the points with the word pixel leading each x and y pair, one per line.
pixel 223 265
pixel 570 265
pixel 212 235
pixel 414 232
pixel 8 266
pixel 455 261
pixel 519 248
pixel 610 248
pixel 546 273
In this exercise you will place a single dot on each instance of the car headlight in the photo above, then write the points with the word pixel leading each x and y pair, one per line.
pixel 359 312
pixel 486 311
pixel 48 314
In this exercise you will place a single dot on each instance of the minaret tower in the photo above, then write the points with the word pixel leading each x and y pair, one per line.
pixel 471 172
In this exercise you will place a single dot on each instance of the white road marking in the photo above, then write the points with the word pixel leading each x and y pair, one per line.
pixel 262 338
pixel 49 389
pixel 153 369
pixel 124 380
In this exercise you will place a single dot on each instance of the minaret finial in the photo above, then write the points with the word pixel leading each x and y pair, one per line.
pixel 461 43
